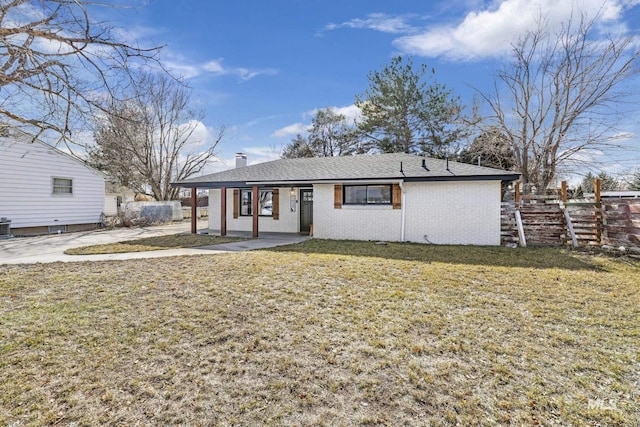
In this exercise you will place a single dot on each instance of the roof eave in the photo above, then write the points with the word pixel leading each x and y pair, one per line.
pixel 505 177
pixel 301 182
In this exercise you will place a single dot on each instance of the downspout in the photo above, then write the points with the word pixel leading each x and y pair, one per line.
pixel 403 200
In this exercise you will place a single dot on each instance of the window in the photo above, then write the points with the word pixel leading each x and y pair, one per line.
pixel 367 194
pixel 63 186
pixel 265 202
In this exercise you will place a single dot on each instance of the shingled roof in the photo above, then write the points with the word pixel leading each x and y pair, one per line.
pixel 376 167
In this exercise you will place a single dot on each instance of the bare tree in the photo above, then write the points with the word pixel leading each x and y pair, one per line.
pixel 298 147
pixel 148 142
pixel 57 62
pixel 330 135
pixel 562 92
pixel 491 149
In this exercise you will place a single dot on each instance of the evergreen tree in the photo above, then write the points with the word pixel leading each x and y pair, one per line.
pixel 330 135
pixel 607 182
pixel 634 185
pixel 401 113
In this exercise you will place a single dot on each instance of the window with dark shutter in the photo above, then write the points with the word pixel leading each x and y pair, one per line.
pixel 337 196
pixel 397 196
pixel 236 202
pixel 275 199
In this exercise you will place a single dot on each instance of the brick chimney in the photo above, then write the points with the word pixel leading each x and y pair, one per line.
pixel 241 160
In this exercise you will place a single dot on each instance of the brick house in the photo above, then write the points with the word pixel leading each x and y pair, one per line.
pixel 389 197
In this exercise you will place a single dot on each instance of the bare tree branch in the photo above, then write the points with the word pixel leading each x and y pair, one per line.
pixel 559 95
pixel 147 142
pixel 57 64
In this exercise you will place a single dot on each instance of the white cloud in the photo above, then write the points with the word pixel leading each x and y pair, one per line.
pixel 292 129
pixel 259 120
pixel 245 74
pixel 182 70
pixel 351 113
pixel 490 32
pixel 378 22
pixel 216 67
pixel 260 154
pixel 202 136
pixel 622 136
pixel 217 164
pixel 255 155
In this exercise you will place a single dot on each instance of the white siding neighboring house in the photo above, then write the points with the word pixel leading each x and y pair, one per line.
pixel 43 189
pixel 389 197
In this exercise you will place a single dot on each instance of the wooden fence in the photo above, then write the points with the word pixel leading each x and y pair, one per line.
pixel 549 220
pixel 621 222
pixel 586 219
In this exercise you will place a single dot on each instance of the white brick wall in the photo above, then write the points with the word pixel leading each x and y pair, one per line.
pixel 288 222
pixel 465 212
pixel 352 222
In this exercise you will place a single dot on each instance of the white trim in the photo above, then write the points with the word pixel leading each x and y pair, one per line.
pixel 53 186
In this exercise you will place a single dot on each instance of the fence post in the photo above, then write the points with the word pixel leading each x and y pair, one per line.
pixel 564 191
pixel 598 210
pixel 517 194
pixel 521 237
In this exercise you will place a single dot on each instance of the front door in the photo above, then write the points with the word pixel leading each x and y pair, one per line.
pixel 306 210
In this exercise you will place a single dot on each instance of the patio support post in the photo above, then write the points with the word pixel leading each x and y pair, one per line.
pixel 223 211
pixel 254 210
pixel 194 210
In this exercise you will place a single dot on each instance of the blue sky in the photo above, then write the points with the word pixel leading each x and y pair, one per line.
pixel 262 67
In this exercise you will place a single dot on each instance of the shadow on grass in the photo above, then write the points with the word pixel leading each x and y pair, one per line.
pixel 532 257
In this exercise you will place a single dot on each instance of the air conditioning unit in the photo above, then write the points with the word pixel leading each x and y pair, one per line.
pixel 5 228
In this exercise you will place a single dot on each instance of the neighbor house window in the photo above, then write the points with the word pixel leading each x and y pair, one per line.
pixel 62 186
pixel 367 194
pixel 265 202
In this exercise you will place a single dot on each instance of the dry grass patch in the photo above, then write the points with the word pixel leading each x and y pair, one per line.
pixel 302 336
pixel 156 243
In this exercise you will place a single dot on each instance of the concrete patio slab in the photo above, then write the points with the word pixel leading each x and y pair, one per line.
pixel 48 249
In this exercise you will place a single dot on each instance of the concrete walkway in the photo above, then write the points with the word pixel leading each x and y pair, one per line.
pixel 50 248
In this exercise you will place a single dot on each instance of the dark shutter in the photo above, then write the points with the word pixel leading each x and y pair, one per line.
pixel 337 196
pixel 275 203
pixel 236 202
pixel 396 196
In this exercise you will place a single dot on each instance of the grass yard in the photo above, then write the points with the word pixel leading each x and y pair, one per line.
pixel 156 243
pixel 324 333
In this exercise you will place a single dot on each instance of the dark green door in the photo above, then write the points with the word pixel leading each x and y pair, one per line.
pixel 306 210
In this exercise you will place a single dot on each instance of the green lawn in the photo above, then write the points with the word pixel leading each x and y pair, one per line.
pixel 324 333
pixel 156 243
